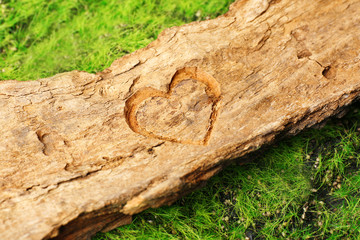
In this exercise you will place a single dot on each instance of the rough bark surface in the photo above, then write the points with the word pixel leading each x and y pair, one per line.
pixel 81 152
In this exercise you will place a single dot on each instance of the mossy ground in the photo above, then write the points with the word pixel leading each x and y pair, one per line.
pixel 41 38
pixel 303 187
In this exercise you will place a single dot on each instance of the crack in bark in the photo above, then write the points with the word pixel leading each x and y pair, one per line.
pixel 151 150
pixel 131 88
pixel 263 40
pixel 264 11
pixel 41 137
pixel 80 177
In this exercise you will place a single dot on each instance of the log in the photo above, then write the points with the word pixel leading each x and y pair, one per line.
pixel 82 153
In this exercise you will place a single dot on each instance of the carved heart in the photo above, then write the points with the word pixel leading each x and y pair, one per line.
pixel 212 89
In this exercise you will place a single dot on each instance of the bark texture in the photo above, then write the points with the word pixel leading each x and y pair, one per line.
pixel 81 152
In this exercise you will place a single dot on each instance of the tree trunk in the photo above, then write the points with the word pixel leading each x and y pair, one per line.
pixel 81 152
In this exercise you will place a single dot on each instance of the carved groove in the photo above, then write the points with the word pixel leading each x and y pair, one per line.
pixel 212 90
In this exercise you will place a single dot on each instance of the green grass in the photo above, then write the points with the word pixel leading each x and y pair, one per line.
pixel 41 38
pixel 304 187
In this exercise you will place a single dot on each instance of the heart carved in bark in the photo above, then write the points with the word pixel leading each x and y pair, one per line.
pixel 208 102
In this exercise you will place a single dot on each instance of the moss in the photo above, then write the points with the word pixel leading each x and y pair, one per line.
pixel 41 38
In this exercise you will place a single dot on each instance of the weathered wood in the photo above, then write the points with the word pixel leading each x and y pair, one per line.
pixel 81 152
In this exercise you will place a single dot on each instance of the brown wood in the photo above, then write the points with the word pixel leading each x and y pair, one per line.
pixel 81 152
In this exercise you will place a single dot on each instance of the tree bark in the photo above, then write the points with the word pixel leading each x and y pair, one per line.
pixel 81 152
